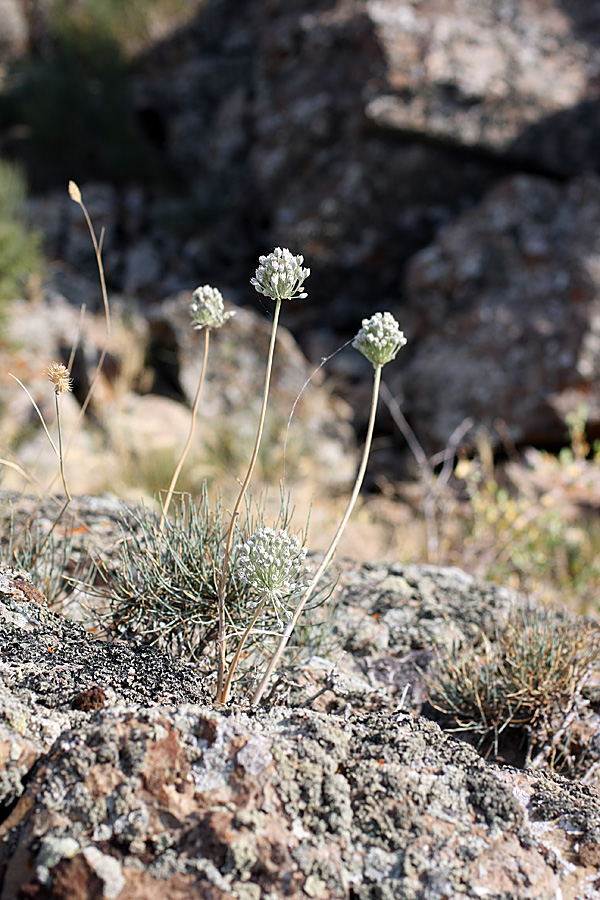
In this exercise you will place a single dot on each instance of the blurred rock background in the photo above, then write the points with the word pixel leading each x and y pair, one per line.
pixel 437 158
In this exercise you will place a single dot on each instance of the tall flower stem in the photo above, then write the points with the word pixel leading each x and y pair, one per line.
pixel 61 462
pixel 75 195
pixel 222 648
pixel 332 547
pixel 188 444
pixel 238 652
pixel 61 457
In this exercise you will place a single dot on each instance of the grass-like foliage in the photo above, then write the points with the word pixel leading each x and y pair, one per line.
pixel 532 677
pixel 20 248
pixel 535 525
pixel 55 561
pixel 162 583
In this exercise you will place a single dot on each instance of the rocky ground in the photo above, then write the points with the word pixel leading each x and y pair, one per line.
pixel 120 779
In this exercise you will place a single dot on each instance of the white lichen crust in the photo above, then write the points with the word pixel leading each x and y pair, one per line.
pixel 379 339
pixel 280 275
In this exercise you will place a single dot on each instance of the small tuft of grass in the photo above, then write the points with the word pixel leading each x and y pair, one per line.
pixel 533 677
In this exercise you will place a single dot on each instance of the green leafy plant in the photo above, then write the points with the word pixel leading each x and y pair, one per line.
pixel 533 676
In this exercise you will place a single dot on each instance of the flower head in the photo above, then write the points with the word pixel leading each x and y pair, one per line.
pixel 74 192
pixel 60 377
pixel 280 275
pixel 379 339
pixel 272 564
pixel 207 308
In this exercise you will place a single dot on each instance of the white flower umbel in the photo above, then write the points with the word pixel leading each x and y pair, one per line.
pixel 207 308
pixel 382 338
pixel 379 339
pixel 272 564
pixel 208 312
pixel 280 275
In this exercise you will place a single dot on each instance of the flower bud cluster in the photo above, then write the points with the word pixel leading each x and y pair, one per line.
pixel 280 275
pixel 272 564
pixel 207 308
pixel 379 339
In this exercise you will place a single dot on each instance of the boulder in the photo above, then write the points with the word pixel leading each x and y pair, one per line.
pixel 503 312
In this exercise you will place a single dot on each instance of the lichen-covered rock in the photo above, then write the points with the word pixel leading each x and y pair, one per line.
pixel 186 801
pixel 53 674
pixel 119 780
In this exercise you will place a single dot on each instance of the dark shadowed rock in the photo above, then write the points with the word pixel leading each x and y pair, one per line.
pixel 504 315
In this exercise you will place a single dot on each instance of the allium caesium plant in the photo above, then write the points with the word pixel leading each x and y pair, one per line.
pixel 271 563
pixel 208 311
pixel 379 340
pixel 279 276
pixel 207 308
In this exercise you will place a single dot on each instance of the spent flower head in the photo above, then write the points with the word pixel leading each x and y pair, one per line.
pixel 280 275
pixel 207 308
pixel 379 339
pixel 60 377
pixel 272 564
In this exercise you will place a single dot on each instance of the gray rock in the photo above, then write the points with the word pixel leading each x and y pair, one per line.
pixel 504 316
pixel 149 791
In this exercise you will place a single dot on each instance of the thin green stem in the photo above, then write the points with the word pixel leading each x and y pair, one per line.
pixel 238 652
pixel 332 547
pixel 179 466
pixel 236 510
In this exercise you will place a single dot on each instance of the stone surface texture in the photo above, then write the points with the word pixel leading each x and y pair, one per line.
pixel 504 311
pixel 120 780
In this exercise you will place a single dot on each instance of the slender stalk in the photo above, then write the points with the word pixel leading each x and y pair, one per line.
pixel 60 449
pixel 39 412
pixel 238 652
pixel 236 510
pixel 179 466
pixel 75 195
pixel 61 463
pixel 332 547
